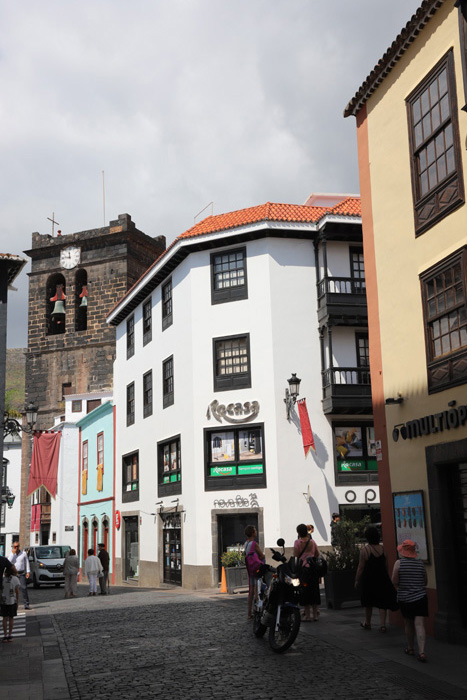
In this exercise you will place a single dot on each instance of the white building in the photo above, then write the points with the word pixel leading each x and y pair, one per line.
pixel 55 520
pixel 9 517
pixel 206 341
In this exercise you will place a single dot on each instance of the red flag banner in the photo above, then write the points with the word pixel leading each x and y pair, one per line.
pixel 307 433
pixel 44 462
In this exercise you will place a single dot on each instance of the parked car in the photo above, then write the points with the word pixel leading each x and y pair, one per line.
pixel 46 563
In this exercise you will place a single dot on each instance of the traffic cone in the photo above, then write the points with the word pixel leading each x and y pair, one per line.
pixel 223 582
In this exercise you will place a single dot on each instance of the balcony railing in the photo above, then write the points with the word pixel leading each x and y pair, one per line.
pixel 341 285
pixel 347 390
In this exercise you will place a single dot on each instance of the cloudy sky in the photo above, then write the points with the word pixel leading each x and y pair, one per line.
pixel 180 103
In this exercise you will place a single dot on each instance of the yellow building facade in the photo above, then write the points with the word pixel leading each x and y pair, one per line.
pixel 412 136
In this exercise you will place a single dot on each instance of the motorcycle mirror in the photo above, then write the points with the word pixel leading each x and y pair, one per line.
pixel 280 542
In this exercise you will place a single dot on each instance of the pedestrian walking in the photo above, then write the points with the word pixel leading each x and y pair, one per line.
pixel 92 569
pixel 409 578
pixel 377 590
pixel 105 561
pixel 251 546
pixel 71 571
pixel 305 547
pixel 334 522
pixel 20 561
pixel 9 602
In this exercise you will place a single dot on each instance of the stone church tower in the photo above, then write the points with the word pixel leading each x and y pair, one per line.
pixel 74 282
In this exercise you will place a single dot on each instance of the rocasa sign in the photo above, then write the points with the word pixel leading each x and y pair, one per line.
pixel 233 412
pixel 434 423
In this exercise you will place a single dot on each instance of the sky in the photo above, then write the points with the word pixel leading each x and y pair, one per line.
pixel 180 103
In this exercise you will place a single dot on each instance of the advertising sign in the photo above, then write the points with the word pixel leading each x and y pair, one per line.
pixel 409 516
pixel 223 471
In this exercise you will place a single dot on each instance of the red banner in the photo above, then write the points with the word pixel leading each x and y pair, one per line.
pixel 307 433
pixel 44 462
pixel 35 518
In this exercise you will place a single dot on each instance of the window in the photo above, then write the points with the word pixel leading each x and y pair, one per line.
pixel 445 313
pixel 130 337
pixel 92 404
pixel 355 451
pixel 363 350
pixel 147 394
pixel 437 182
pixel 147 322
pixel 229 280
pixel 169 467
pixel 76 406
pixel 100 450
pixel 168 382
pixel 357 269
pixel 235 458
pixel 130 404
pixel 167 305
pixel 232 363
pixel 130 474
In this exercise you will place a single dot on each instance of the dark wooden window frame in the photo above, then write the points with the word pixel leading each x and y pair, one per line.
pixel 462 5
pixel 130 337
pixel 147 394
pixel 448 194
pixel 447 370
pixel 237 380
pixel 91 404
pixel 130 403
pixel 361 336
pixel 230 293
pixel 168 382
pixel 147 322
pixel 173 488
pixel 356 477
pixel 167 304
pixel 133 493
pixel 358 283
pixel 243 481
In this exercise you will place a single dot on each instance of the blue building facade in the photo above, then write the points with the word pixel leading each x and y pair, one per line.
pixel 96 503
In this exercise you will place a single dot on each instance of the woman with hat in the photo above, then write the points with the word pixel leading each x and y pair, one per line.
pixel 409 577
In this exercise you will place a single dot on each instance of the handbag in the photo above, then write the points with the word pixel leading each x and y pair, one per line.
pixel 252 561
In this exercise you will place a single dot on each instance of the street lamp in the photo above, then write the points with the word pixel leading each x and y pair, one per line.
pixel 291 393
pixel 11 426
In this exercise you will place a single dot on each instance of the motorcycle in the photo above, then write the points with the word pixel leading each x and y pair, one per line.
pixel 276 601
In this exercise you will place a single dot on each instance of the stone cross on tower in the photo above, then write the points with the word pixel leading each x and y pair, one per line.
pixel 53 223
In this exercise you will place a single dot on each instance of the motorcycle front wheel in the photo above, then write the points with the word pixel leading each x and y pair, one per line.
pixel 258 628
pixel 286 633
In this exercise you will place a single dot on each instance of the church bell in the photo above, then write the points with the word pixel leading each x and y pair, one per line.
pixel 58 314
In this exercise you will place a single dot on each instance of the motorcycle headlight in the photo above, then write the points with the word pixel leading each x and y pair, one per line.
pixel 292 581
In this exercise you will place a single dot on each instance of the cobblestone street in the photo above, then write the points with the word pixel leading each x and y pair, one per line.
pixel 183 645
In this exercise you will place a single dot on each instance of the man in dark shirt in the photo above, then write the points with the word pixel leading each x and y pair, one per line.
pixel 5 564
pixel 105 561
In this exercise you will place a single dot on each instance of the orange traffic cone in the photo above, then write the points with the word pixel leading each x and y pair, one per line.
pixel 223 582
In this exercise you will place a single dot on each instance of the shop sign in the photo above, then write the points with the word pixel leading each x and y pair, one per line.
pixel 237 502
pixel 223 471
pixel 434 423
pixel 370 496
pixel 118 519
pixel 233 412
pixel 250 468
pixel 69 528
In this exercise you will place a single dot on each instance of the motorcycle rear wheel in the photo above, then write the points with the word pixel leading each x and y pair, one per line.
pixel 258 628
pixel 289 624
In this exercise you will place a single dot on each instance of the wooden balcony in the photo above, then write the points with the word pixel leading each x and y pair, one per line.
pixel 342 301
pixel 347 390
pixel 45 513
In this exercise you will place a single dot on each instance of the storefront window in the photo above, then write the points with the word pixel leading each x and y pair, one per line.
pixel 235 458
pixel 169 467
pixel 355 448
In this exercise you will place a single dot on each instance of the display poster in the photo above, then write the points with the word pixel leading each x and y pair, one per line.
pixel 348 443
pixel 370 441
pixel 166 458
pixel 409 517
pixel 250 445
pixel 222 446
pixel 173 456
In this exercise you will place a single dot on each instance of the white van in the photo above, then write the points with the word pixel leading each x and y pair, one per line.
pixel 46 563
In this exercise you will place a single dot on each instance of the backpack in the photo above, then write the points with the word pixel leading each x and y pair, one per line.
pixel 252 560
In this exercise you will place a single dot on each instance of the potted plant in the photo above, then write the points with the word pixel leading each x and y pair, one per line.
pixel 236 575
pixel 342 562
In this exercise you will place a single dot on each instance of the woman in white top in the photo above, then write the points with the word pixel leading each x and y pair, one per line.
pixel 92 569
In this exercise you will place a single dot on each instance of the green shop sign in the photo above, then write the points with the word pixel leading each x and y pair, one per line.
pixel 250 468
pixel 223 471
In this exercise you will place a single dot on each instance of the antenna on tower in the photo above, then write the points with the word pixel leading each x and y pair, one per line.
pixel 103 194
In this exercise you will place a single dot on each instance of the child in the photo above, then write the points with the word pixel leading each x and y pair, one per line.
pixel 9 606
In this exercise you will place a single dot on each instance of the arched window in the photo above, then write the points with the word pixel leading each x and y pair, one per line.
pixel 56 304
pixel 81 300
pixel 95 530
pixel 105 532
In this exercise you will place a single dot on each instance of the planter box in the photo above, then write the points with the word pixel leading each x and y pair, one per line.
pixel 340 588
pixel 236 577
